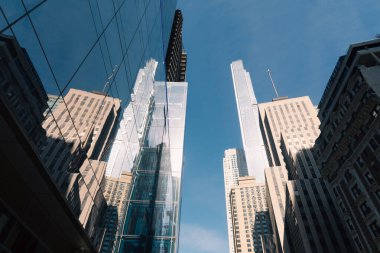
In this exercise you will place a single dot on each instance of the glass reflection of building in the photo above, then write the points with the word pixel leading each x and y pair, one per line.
pixel 72 49
pixel 154 154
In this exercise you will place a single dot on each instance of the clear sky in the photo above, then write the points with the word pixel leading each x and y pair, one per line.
pixel 300 41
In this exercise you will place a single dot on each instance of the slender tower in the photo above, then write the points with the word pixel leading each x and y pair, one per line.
pixel 249 121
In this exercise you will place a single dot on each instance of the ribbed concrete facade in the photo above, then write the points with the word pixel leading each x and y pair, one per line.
pixel 234 166
pixel 250 218
pixel 290 129
pixel 348 147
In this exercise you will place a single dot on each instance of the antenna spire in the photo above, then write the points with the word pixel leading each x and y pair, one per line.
pixel 271 79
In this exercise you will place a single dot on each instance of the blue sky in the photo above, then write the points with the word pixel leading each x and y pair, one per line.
pixel 300 41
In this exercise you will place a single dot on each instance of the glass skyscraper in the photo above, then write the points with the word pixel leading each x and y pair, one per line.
pixel 117 50
pixel 248 112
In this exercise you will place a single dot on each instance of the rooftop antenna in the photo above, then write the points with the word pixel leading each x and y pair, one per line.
pixel 271 79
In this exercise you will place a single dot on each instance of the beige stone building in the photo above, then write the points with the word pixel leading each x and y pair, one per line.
pixel 303 216
pixel 234 166
pixel 116 192
pixel 249 212
pixel 77 134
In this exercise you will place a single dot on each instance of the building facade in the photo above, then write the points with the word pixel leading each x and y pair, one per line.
pixel 348 147
pixel 21 89
pixel 34 216
pixel 152 220
pixel 248 112
pixel 234 166
pixel 299 199
pixel 116 192
pixel 251 230
pixel 76 163
pixel 176 57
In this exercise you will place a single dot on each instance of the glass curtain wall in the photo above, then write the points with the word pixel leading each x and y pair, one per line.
pixel 69 71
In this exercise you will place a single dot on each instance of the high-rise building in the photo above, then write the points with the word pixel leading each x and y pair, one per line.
pixel 249 121
pixel 132 128
pixel 34 216
pixel 251 229
pixel 21 90
pixel 152 220
pixel 77 165
pixel 254 154
pixel 176 56
pixel 116 192
pixel 303 215
pixel 234 166
pixel 348 147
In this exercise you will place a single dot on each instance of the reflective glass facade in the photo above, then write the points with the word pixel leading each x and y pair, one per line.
pixel 248 112
pixel 152 220
pixel 114 51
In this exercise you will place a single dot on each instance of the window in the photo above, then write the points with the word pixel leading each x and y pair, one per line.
pixel 369 178
pixel 365 208
pixel 358 243
pixel 375 228
pixel 355 191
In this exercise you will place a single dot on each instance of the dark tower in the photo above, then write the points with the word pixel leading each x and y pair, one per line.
pixel 176 58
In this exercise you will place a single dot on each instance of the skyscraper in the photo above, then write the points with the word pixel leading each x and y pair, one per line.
pixel 304 218
pixel 22 90
pixel 92 61
pixel 77 165
pixel 348 147
pixel 116 192
pixel 256 161
pixel 249 121
pixel 152 220
pixel 176 56
pixel 234 166
pixel 33 213
pixel 250 218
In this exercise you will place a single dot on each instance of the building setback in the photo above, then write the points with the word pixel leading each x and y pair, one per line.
pixel 301 224
pixel 234 166
pixel 251 230
pixel 348 147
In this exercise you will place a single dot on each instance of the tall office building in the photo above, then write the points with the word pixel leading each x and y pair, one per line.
pixel 82 63
pixel 132 128
pixel 152 220
pixel 249 121
pixel 176 57
pixel 304 218
pixel 252 230
pixel 234 166
pixel 116 192
pixel 348 147
pixel 76 163
pixel 34 217
pixel 254 150
pixel 22 91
